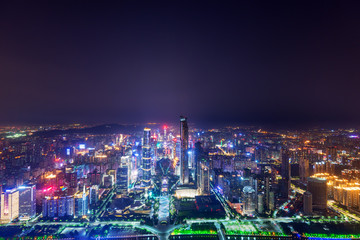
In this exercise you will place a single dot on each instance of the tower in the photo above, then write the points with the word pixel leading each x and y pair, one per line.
pixel 146 158
pixel 285 172
pixel 184 158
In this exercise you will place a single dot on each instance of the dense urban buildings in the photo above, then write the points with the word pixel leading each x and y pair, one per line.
pixel 169 175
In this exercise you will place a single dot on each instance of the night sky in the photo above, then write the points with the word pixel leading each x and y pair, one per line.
pixel 260 62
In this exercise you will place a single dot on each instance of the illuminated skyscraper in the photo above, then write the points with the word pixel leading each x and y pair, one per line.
pixel 81 200
pixel 285 172
pixel 199 153
pixel 9 205
pixel 122 180
pixel 27 199
pixel 146 158
pixel 184 144
pixel 204 179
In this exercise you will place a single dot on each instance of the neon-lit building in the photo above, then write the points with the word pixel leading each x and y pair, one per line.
pixel 146 158
pixel 9 205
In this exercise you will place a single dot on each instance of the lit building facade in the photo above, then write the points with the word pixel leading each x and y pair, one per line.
pixel 146 158
pixel 27 201
pixel 9 205
pixel 184 144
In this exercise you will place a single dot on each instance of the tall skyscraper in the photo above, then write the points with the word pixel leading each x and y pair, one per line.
pixel 307 204
pixel 146 158
pixel 94 194
pixel 199 153
pixel 9 205
pixel 122 180
pixel 81 200
pixel 27 201
pixel 318 189
pixel 184 144
pixel 204 179
pixel 285 172
pixel 304 168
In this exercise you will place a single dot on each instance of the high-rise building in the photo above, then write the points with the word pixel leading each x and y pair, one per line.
pixel 248 197
pixel 304 168
pixel 27 201
pixel 62 206
pixel 81 200
pixel 9 205
pixel 331 153
pixel 307 204
pixel 260 203
pixel 204 180
pixel 146 158
pixel 122 179
pixel 199 155
pixel 94 194
pixel 184 144
pixel 285 172
pixel 58 206
pixel 318 189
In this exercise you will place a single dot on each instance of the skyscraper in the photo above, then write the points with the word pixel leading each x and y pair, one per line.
pixel 9 205
pixel 27 201
pixel 285 172
pixel 81 200
pixel 122 180
pixel 199 153
pixel 204 179
pixel 184 158
pixel 304 168
pixel 307 204
pixel 318 189
pixel 146 158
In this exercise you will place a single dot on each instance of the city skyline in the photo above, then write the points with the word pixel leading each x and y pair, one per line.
pixel 180 120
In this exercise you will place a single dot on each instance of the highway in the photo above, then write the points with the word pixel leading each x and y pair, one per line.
pixel 224 204
pixel 331 205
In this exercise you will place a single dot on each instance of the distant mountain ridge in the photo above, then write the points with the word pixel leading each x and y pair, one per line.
pixel 101 129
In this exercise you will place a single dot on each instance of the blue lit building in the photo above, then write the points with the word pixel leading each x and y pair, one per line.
pixel 146 158
pixel 27 201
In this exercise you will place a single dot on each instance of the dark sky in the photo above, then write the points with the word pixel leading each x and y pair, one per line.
pixel 263 62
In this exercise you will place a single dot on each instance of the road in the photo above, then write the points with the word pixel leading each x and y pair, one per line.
pixel 224 204
pixel 331 205
pixel 104 203
pixel 162 231
pixel 219 231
